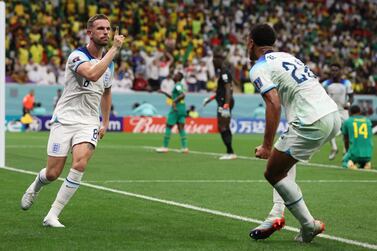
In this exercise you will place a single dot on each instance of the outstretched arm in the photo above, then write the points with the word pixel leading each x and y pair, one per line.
pixel 165 93
pixel 208 100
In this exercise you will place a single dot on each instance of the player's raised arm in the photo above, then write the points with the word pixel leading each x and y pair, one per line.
pixel 93 72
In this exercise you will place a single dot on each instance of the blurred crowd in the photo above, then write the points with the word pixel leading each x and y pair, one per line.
pixel 167 36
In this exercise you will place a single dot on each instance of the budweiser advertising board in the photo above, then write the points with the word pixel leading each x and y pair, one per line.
pixel 157 125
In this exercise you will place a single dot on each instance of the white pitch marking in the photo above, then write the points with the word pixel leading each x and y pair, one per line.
pixel 200 153
pixel 226 181
pixel 201 209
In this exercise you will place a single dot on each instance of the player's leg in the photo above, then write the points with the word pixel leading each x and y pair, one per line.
pixel 226 136
pixel 57 150
pixel 275 219
pixel 183 136
pixel 347 162
pixel 81 153
pixel 48 174
pixel 170 122
pixel 276 173
pixel 334 149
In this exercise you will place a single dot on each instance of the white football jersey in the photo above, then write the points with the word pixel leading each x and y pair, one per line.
pixel 338 91
pixel 80 100
pixel 300 92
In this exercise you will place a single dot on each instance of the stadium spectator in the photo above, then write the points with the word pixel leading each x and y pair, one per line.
pixel 57 97
pixel 259 112
pixel 144 109
pixel 28 102
pixel 34 75
pixel 39 110
pixel 192 113
pixel 325 30
pixel 167 84
pixel 123 79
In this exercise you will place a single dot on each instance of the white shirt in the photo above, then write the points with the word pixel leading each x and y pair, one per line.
pixel 167 85
pixel 338 91
pixel 80 101
pixel 35 77
pixel 300 92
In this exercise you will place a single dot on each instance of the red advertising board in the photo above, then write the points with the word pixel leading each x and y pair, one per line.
pixel 157 125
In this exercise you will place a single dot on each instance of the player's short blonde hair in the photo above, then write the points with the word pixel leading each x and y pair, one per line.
pixel 91 20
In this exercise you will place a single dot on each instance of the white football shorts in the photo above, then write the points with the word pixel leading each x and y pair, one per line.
pixel 302 141
pixel 63 137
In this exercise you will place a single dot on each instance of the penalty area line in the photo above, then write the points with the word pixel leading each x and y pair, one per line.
pixel 200 209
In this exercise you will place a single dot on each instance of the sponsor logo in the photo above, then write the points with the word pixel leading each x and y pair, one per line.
pixel 157 125
pixel 76 59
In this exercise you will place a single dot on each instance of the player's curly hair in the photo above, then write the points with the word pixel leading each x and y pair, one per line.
pixel 263 35
pixel 92 19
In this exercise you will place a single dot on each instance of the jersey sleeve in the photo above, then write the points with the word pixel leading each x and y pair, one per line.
pixel 348 86
pixel 325 84
pixel 179 89
pixel 75 59
pixel 108 81
pixel 261 79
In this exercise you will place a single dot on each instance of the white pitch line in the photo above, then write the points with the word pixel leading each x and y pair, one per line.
pixel 200 153
pixel 254 158
pixel 226 181
pixel 201 209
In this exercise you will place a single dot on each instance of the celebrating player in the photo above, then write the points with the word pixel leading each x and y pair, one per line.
pixel 75 122
pixel 357 132
pixel 340 90
pixel 283 80
pixel 225 103
pixel 177 115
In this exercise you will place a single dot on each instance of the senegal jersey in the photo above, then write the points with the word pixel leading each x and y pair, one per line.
pixel 178 90
pixel 300 92
pixel 80 101
pixel 359 131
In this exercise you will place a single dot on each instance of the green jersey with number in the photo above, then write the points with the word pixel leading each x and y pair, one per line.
pixel 359 131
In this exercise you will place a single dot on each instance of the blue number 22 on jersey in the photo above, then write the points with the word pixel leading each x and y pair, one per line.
pixel 299 78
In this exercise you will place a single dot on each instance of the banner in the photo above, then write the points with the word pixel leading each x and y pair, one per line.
pixel 247 126
pixel 42 123
pixel 158 124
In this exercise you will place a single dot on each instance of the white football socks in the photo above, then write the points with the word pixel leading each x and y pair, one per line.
pixel 68 188
pixel 291 193
pixel 278 202
pixel 333 144
pixel 39 181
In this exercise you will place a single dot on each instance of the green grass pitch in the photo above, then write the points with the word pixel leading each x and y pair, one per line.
pixel 345 200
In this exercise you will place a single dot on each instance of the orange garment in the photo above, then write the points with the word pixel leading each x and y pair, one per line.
pixel 28 102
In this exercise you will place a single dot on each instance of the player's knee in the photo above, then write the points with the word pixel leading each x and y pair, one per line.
pixel 270 177
pixel 52 175
pixel 80 165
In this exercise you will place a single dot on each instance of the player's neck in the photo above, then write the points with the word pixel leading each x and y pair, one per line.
pixel 264 50
pixel 95 50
